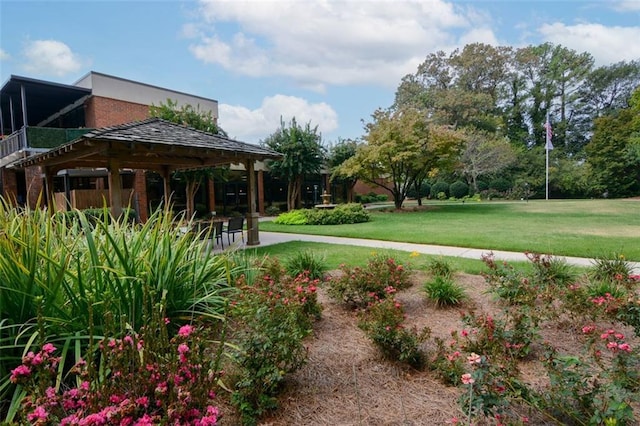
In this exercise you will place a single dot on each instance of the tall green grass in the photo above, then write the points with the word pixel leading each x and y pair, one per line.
pixel 68 280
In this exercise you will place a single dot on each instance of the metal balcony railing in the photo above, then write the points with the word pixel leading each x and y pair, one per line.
pixel 32 140
pixel 15 142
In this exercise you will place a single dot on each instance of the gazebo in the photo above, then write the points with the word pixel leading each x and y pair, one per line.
pixel 152 144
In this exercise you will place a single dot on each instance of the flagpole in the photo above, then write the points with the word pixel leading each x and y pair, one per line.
pixel 547 173
pixel 546 149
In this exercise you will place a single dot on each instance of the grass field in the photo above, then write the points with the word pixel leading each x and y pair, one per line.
pixel 583 228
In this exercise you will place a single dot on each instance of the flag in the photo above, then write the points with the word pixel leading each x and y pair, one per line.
pixel 547 126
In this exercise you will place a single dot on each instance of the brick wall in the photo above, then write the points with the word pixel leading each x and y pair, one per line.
pixel 9 185
pixel 104 112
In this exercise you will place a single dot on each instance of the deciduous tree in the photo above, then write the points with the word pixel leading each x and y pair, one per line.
pixel 303 154
pixel 400 147
pixel 188 115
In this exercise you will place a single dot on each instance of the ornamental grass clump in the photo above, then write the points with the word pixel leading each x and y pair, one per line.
pixel 444 292
pixel 307 262
pixel 69 280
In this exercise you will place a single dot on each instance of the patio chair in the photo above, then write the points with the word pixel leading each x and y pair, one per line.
pixel 218 226
pixel 234 226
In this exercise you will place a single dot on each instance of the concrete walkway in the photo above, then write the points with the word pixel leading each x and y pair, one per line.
pixel 269 238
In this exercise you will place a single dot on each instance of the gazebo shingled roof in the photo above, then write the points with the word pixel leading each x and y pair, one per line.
pixel 153 144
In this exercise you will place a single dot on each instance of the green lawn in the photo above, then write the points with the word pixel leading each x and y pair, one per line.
pixel 336 254
pixel 584 228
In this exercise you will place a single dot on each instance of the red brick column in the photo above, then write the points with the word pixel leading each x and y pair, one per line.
pixel 9 186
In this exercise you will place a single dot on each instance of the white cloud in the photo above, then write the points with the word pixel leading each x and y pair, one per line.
pixel 4 55
pixel 627 5
pixel 606 44
pixel 338 42
pixel 254 125
pixel 50 57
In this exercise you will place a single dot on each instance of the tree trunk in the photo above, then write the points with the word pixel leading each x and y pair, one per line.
pixel 191 188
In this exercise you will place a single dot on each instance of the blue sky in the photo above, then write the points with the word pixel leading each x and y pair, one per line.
pixel 328 62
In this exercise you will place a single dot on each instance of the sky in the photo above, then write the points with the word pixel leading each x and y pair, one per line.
pixel 330 63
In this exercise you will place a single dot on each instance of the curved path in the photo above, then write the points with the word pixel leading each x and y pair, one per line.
pixel 269 238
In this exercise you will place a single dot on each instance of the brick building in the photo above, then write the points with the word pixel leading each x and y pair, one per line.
pixel 37 115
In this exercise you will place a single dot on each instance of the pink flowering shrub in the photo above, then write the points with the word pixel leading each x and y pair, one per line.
pixel 271 318
pixel 597 386
pixel 136 385
pixel 383 322
pixel 357 287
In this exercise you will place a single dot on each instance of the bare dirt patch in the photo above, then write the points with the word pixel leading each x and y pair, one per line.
pixel 346 381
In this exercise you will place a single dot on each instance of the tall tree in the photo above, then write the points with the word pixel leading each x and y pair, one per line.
pixel 613 151
pixel 400 148
pixel 188 115
pixel 303 155
pixel 338 154
pixel 485 154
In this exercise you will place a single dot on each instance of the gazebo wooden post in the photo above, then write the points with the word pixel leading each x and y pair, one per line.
pixel 253 236
pixel 48 187
pixel 115 187
pixel 166 185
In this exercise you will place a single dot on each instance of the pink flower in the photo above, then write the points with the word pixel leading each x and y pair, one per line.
pixel 464 333
pixel 38 414
pixel 612 345
pixel 474 359
pixel 467 379
pixel 19 371
pixel 588 329
pixel 145 420
pixel 619 336
pixel 185 330
pixel 48 348
pixel 624 347
pixel 183 348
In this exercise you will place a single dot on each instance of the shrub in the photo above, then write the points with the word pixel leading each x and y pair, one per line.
pixel 138 379
pixel 500 185
pixel 272 211
pixel 273 316
pixel 459 189
pixel 294 217
pixel 444 292
pixel 424 191
pixel 551 271
pixel 585 389
pixel 357 286
pixel 382 321
pixel 371 197
pixel 612 268
pixel 341 214
pixel 439 187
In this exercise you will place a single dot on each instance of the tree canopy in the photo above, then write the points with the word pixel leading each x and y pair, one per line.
pixel 303 155
pixel 187 115
pixel 402 147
